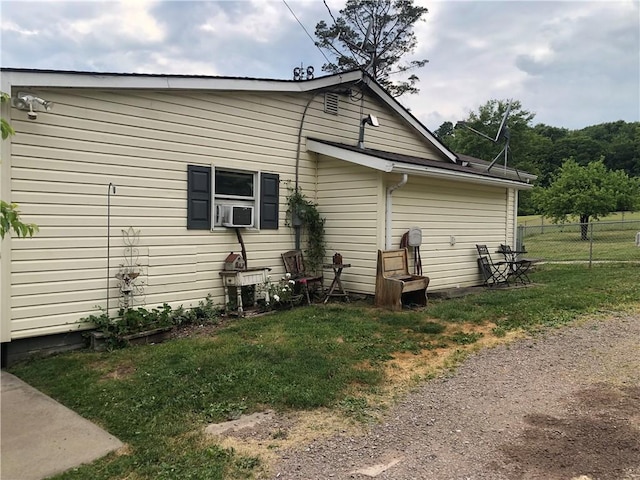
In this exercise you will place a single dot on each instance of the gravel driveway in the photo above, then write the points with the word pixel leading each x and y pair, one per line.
pixel 562 405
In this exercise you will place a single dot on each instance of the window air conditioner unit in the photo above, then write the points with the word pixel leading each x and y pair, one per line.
pixel 237 216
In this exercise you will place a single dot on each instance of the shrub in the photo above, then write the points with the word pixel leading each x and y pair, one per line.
pixel 136 320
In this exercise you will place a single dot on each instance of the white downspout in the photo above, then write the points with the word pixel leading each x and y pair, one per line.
pixel 389 208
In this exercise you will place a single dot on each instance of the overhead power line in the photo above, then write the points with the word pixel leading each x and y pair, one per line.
pixel 305 30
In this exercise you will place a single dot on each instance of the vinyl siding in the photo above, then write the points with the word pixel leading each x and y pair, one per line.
pixel 473 215
pixel 142 141
pixel 350 198
pixel 356 229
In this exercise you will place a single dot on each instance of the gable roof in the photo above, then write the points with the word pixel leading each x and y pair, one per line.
pixel 22 77
pixel 470 169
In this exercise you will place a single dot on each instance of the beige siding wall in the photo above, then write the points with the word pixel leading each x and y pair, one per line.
pixel 469 213
pixel 142 141
pixel 350 198
pixel 392 135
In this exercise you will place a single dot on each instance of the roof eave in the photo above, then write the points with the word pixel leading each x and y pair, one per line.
pixel 388 166
pixel 460 176
pixel 66 79
pixel 525 176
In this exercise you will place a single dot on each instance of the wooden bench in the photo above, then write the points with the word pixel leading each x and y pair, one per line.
pixel 395 286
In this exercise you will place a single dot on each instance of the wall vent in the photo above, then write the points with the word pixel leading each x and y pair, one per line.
pixel 331 103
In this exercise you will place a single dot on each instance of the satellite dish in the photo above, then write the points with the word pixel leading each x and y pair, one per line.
pixel 503 130
pixel 503 134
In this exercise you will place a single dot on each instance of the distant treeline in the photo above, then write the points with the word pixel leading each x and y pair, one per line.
pixel 618 143
pixel 542 149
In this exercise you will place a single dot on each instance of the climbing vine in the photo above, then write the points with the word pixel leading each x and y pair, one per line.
pixel 304 213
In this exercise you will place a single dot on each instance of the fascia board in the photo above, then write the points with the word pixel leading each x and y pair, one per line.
pixel 62 79
pixel 528 177
pixel 349 156
pixel 400 110
pixel 396 167
pixel 459 176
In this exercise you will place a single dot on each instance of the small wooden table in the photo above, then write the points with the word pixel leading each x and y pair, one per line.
pixel 336 283
pixel 243 278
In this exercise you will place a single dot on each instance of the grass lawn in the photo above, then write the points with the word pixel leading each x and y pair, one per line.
pixel 610 241
pixel 566 246
pixel 341 361
pixel 530 220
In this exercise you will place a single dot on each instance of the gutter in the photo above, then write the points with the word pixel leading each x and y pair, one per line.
pixel 365 159
pixel 460 176
pixel 389 208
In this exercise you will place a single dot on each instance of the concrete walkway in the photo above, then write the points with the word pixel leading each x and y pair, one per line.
pixel 40 437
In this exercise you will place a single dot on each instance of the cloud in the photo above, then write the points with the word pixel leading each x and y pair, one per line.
pixel 573 63
pixel 556 57
pixel 123 21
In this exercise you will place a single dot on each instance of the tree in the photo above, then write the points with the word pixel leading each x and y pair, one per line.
pixel 487 120
pixel 374 35
pixel 9 214
pixel 587 192
pixel 10 221
pixel 7 129
pixel 445 132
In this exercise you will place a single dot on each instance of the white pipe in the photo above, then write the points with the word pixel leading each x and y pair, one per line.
pixel 389 207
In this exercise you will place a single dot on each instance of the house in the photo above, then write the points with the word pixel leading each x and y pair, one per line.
pixel 151 172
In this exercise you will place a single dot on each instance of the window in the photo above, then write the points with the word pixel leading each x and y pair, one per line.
pixel 232 184
pixel 215 196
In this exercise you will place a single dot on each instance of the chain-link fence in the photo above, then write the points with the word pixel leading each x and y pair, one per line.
pixel 592 242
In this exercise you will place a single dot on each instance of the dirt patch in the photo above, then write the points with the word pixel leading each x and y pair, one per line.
pixel 408 369
pixel 108 372
pixel 596 435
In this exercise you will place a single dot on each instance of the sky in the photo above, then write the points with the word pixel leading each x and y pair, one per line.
pixel 571 63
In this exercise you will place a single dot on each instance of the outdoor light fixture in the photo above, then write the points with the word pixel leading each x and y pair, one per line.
pixel 368 120
pixel 30 103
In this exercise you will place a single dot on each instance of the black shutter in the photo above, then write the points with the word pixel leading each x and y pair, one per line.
pixel 198 197
pixel 269 200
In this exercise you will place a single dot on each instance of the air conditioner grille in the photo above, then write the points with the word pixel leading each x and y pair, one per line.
pixel 331 101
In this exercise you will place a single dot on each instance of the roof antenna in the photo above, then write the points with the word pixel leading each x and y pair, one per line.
pixel 365 48
pixel 300 74
pixel 503 134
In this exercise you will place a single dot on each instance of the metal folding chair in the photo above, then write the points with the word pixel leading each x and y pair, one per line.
pixel 493 273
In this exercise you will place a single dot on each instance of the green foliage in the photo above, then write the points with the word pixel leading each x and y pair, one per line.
pixel 543 149
pixel 9 214
pixel 487 120
pixel 390 37
pixel 10 221
pixel 301 209
pixel 463 338
pixel 281 294
pixel 7 129
pixel 205 312
pixel 136 320
pixel 587 192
